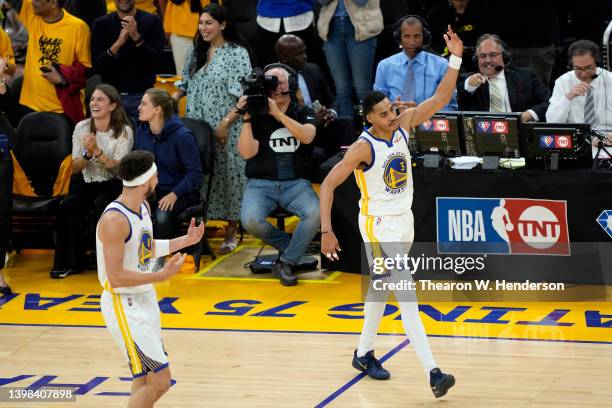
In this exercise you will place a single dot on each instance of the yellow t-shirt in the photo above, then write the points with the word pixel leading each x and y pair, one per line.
pixel 179 20
pixel 6 48
pixel 144 5
pixel 62 42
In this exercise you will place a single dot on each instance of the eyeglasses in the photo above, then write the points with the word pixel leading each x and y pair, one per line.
pixel 490 55
pixel 584 69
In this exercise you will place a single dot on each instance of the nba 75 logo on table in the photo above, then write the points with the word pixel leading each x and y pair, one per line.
pixel 502 226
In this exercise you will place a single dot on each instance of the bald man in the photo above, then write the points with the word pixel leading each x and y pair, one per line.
pixel 332 133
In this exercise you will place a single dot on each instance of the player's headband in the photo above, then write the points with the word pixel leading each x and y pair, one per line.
pixel 143 178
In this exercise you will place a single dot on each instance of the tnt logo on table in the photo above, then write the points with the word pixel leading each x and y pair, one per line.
pixel 441 125
pixel 502 226
pixel 563 142
pixel 500 127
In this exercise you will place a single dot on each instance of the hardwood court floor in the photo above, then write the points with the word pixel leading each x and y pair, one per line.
pixel 238 340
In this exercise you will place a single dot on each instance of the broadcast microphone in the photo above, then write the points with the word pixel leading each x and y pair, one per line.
pixel 497 68
pixel 416 50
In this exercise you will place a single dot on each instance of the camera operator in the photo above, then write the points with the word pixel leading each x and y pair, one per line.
pixel 277 149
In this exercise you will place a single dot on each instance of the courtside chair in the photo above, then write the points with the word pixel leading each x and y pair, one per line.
pixel 43 147
pixel 204 136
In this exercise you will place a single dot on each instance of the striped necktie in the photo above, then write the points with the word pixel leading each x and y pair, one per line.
pixel 497 103
pixel 589 108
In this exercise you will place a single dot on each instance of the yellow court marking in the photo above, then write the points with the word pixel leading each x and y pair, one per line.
pixel 217 261
pixel 333 276
pixel 275 280
pixel 262 304
pixel 256 244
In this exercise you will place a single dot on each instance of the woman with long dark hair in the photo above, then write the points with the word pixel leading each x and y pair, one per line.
pixel 98 144
pixel 213 68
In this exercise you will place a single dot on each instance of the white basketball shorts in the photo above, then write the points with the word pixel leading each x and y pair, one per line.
pixel 134 323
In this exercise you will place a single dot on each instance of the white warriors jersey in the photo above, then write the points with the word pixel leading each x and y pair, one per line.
pixel 386 184
pixel 138 248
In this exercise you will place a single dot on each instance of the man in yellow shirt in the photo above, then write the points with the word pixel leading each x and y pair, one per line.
pixel 7 54
pixel 55 37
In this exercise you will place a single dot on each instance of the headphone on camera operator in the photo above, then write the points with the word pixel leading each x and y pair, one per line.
pixel 258 86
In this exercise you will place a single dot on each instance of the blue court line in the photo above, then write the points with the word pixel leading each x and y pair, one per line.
pixel 114 394
pixel 450 336
pixel 359 376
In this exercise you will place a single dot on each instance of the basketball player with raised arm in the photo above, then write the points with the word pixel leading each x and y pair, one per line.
pixel 126 251
pixel 381 163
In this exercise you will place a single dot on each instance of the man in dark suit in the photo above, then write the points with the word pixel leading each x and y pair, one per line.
pixel 332 132
pixel 501 88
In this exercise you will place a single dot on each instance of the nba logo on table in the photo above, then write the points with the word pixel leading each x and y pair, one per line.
pixel 426 125
pixel 502 226
pixel 546 141
pixel 484 125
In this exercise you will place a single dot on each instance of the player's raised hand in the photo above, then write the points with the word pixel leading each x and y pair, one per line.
pixel 453 42
pixel 330 246
pixel 403 105
pixel 172 266
pixel 194 234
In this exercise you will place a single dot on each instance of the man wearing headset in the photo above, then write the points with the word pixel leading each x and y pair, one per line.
pixel 584 94
pixel 332 132
pixel 498 87
pixel 277 149
pixel 412 75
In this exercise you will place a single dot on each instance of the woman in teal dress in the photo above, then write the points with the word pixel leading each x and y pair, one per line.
pixel 213 68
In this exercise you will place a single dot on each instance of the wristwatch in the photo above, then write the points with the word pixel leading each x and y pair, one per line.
pixel 85 155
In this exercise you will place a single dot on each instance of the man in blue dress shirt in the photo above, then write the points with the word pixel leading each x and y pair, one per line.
pixel 412 75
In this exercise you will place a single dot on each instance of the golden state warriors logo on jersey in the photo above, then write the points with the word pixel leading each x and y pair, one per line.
pixel 144 249
pixel 396 173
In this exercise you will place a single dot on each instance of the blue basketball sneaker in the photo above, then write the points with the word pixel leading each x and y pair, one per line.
pixel 370 365
pixel 440 382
